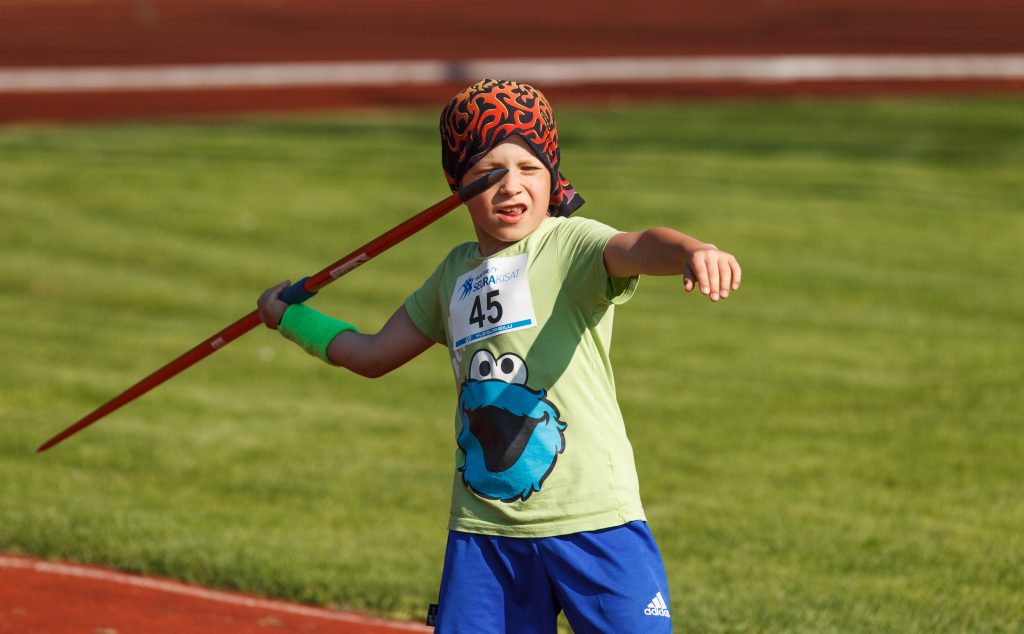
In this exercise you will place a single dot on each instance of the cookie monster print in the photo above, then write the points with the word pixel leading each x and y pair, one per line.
pixel 511 435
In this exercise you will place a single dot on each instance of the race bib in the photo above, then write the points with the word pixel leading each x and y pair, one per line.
pixel 491 299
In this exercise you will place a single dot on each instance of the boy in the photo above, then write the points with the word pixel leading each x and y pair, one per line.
pixel 546 512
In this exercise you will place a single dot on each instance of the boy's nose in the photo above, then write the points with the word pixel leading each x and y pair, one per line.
pixel 510 184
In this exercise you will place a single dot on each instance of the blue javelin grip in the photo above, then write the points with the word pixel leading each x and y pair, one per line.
pixel 296 293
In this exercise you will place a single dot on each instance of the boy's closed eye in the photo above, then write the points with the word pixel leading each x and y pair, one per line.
pixel 479 170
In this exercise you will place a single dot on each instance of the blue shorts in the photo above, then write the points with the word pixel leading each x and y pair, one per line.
pixel 611 580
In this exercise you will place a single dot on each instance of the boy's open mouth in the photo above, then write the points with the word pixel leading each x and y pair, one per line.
pixel 511 214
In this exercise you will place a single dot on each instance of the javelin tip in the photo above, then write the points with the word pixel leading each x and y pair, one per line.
pixel 478 186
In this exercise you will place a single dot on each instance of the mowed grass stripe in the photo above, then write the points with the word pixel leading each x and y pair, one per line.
pixel 836 448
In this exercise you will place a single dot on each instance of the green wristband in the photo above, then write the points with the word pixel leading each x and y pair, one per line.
pixel 312 330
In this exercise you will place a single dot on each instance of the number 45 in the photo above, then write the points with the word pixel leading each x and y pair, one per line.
pixel 476 315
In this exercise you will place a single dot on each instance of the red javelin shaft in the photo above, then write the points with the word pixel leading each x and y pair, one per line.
pixel 298 292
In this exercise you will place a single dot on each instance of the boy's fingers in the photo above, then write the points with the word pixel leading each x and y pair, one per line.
pixel 725 272
pixel 260 308
pixel 266 302
pixel 688 279
pixel 716 272
pixel 700 270
pixel 714 279
pixel 272 293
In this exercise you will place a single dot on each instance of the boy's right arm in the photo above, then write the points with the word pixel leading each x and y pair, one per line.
pixel 398 341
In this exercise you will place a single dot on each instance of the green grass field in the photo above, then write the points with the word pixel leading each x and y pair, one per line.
pixel 836 448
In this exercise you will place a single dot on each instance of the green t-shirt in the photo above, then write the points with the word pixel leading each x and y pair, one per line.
pixel 542 449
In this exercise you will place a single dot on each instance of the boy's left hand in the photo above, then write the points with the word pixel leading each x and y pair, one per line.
pixel 664 251
pixel 715 272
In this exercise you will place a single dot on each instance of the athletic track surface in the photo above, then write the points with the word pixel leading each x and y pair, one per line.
pixel 638 50
pixel 151 58
pixel 39 597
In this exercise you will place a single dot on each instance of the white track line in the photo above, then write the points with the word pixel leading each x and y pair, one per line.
pixel 173 587
pixel 547 71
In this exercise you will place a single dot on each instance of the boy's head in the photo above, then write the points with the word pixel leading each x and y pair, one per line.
pixel 514 207
pixel 491 111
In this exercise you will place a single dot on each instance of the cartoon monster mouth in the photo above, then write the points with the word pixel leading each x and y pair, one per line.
pixel 503 436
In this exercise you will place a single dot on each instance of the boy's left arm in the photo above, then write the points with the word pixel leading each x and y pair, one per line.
pixel 663 251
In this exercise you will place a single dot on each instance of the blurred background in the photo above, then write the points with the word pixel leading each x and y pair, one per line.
pixel 425 51
pixel 837 447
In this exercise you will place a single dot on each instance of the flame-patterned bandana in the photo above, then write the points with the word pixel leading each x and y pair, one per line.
pixel 488 112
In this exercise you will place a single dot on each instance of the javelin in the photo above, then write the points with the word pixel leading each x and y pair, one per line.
pixel 294 294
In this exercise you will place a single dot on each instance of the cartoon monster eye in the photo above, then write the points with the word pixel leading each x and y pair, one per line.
pixel 511 369
pixel 482 366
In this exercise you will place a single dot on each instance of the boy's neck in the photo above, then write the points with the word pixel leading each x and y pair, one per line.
pixel 488 245
pixel 489 250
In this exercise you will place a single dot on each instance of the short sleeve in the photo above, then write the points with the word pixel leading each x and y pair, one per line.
pixel 424 307
pixel 581 260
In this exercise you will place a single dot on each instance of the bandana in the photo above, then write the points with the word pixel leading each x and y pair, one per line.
pixel 490 111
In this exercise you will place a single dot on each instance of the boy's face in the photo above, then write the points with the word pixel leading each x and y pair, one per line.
pixel 513 208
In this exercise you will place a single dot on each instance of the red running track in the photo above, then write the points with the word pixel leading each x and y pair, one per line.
pixel 133 33
pixel 38 597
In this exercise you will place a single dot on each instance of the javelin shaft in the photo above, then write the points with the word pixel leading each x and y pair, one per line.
pixel 182 363
pixel 310 285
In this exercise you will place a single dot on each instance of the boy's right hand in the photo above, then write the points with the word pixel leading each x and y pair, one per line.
pixel 271 307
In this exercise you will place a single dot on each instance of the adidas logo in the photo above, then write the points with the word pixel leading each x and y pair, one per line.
pixel 657 607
